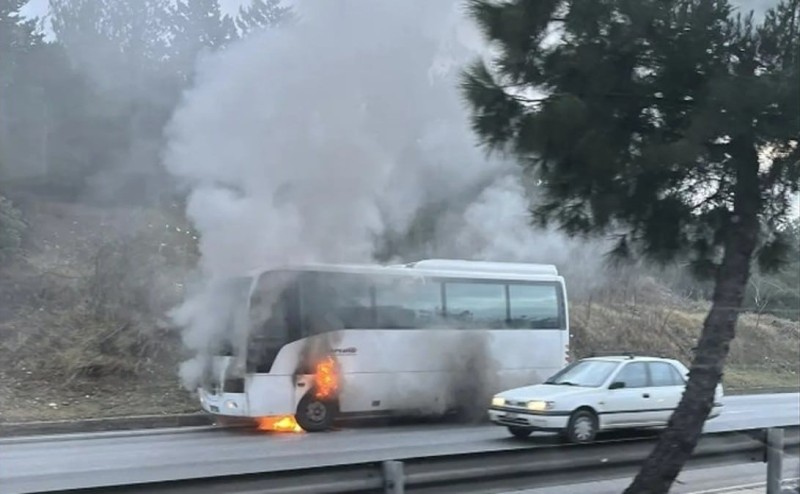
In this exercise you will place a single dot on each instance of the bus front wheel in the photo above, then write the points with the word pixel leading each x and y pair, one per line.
pixel 315 414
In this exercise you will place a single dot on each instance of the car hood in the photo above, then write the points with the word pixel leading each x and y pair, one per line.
pixel 544 392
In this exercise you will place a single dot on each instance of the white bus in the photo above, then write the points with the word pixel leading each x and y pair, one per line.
pixel 312 343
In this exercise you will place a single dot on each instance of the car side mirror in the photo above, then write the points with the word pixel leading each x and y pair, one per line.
pixel 617 385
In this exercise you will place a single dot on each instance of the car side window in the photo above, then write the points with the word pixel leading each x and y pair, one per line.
pixel 634 375
pixel 677 376
pixel 664 374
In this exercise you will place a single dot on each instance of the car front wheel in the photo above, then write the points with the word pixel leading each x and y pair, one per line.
pixel 582 427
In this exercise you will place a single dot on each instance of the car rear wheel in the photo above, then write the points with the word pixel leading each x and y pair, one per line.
pixel 582 427
pixel 520 432
pixel 314 414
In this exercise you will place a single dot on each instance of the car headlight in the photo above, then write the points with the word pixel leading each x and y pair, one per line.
pixel 231 404
pixel 497 401
pixel 539 406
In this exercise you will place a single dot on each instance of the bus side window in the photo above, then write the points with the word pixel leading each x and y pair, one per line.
pixel 476 305
pixel 402 303
pixel 333 301
pixel 534 306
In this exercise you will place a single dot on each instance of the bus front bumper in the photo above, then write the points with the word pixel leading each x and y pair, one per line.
pixel 230 404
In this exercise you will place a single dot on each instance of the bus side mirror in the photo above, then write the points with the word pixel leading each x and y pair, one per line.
pixel 617 385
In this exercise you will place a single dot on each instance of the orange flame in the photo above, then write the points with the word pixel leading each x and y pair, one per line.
pixel 326 378
pixel 285 423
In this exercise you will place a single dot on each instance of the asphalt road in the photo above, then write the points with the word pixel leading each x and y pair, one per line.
pixel 84 460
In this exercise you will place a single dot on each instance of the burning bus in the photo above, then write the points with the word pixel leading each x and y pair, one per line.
pixel 309 344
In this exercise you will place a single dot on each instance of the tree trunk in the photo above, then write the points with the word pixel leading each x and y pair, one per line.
pixel 676 444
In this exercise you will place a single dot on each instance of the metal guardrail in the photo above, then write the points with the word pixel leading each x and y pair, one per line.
pixel 483 471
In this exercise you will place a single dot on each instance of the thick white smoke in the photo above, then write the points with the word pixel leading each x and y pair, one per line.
pixel 308 142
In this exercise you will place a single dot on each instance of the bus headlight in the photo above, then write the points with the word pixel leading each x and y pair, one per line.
pixel 539 406
pixel 497 401
pixel 231 404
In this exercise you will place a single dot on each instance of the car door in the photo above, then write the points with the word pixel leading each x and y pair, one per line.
pixel 630 405
pixel 667 387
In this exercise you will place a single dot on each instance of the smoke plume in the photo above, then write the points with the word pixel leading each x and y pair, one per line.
pixel 317 141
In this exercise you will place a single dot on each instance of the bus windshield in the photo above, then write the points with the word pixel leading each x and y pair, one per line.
pixel 227 301
pixel 273 318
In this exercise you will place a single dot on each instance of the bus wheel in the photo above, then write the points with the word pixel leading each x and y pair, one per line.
pixel 314 414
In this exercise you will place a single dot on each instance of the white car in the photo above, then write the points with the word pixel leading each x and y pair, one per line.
pixel 597 394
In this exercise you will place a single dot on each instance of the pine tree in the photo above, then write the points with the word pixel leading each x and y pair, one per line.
pixel 16 33
pixel 121 48
pixel 18 38
pixel 673 124
pixel 22 114
pixel 262 14
pixel 196 26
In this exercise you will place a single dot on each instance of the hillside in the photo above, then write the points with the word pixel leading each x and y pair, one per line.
pixel 82 331
pixel 765 353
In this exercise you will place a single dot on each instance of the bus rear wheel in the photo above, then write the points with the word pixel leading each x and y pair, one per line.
pixel 314 414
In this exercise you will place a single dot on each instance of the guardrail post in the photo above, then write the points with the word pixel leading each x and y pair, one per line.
pixel 774 460
pixel 393 477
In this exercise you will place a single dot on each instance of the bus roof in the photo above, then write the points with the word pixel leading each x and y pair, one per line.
pixel 450 268
pixel 484 266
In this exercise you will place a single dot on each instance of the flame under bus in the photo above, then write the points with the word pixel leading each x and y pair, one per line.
pixel 309 344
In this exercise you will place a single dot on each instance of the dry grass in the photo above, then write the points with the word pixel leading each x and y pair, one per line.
pixel 32 400
pixel 765 353
pixel 81 325
pixel 63 346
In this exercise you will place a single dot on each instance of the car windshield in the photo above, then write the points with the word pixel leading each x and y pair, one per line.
pixel 585 373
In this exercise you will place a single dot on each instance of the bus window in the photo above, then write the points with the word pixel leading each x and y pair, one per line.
pixel 228 313
pixel 476 305
pixel 334 301
pixel 534 306
pixel 273 318
pixel 407 303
